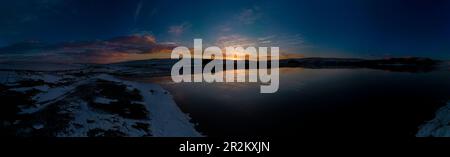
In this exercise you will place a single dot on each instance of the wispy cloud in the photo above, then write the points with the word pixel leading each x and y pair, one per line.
pixel 296 40
pixel 235 40
pixel 153 12
pixel 225 28
pixel 250 15
pixel 138 11
pixel 105 51
pixel 178 30
pixel 266 37
pixel 291 46
pixel 267 40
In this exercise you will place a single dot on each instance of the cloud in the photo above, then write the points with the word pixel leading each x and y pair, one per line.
pixel 153 12
pixel 225 28
pixel 105 51
pixel 266 37
pixel 177 30
pixel 296 40
pixel 291 46
pixel 138 11
pixel 266 40
pixel 250 15
pixel 235 41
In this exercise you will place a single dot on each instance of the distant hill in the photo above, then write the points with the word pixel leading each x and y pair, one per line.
pixel 411 64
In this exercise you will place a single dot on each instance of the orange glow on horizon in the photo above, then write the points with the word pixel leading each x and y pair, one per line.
pixel 115 57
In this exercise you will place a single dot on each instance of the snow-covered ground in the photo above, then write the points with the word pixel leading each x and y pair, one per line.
pixel 439 126
pixel 87 101
pixel 167 119
pixel 39 66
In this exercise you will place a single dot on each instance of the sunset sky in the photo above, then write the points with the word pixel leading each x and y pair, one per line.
pixel 98 30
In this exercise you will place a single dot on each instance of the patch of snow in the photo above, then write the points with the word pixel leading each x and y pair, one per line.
pixel 102 100
pixel 50 78
pixel 38 126
pixel 24 89
pixel 86 120
pixel 9 77
pixel 439 126
pixel 39 66
pixel 50 96
pixel 166 120
pixel 42 88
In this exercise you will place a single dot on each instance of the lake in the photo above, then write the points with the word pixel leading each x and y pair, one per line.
pixel 315 102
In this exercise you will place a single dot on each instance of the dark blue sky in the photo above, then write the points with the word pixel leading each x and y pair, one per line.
pixel 345 28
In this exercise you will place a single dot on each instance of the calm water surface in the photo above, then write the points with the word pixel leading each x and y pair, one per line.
pixel 315 102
